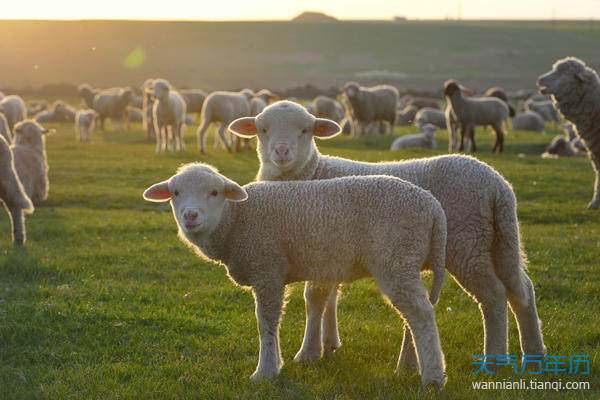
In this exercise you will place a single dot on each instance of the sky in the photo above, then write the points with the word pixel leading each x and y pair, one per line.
pixel 282 10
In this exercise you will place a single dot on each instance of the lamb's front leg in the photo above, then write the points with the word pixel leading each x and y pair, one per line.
pixel 269 304
pixel 316 295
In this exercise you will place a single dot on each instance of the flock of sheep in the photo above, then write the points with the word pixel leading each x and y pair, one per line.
pixel 328 220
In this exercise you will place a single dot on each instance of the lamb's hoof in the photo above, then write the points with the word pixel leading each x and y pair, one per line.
pixel 407 367
pixel 330 347
pixel 593 205
pixel 264 375
pixel 435 383
pixel 307 356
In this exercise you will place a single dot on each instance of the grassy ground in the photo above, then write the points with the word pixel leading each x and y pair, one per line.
pixel 106 302
pixel 226 55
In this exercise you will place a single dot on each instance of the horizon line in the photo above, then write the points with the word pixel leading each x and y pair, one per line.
pixel 408 20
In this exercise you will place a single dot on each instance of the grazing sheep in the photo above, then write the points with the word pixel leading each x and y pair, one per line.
pixel 87 93
pixel 29 151
pixel 112 103
pixel 194 99
pixel 13 108
pixel 147 107
pixel 499 93
pixel 168 112
pixel 470 112
pixel 430 116
pixel 529 121
pixel 84 124
pixel 483 253
pixel 544 108
pixel 343 229
pixel 561 147
pixel 426 140
pixel 575 91
pixel 422 102
pixel 223 108
pixel 326 107
pixel 12 194
pixel 4 129
pixel 406 116
pixel 371 105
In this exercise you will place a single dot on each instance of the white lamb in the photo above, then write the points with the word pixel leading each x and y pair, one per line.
pixel 168 112
pixel 425 140
pixel 84 124
pixel 343 229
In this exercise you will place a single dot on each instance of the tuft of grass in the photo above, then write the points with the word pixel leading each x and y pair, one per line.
pixel 105 302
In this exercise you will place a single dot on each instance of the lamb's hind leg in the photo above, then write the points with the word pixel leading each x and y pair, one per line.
pixel 315 297
pixel 331 337
pixel 18 225
pixel 409 296
pixel 595 203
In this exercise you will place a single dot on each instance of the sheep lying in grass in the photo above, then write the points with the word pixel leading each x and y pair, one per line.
pixel 430 116
pixel 561 147
pixel 29 152
pixel 483 252
pixel 222 108
pixel 529 121
pixel 331 219
pixel 60 112
pixel 12 194
pixel 35 107
pixel 470 112
pixel 575 91
pixel 168 112
pixel 13 108
pixel 84 124
pixel 572 137
pixel 426 140
pixel 371 104
pixel 4 129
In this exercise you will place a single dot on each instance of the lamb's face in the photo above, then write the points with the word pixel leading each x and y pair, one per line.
pixel 285 134
pixel 198 194
pixel 160 90
pixel 30 134
pixel 351 90
pixel 451 87
pixel 566 75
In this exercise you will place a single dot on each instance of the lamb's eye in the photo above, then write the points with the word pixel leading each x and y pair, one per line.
pixel 304 130
pixel 214 193
pixel 176 193
pixel 264 130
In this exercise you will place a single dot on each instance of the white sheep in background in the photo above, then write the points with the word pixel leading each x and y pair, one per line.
pixel 529 121
pixel 112 103
pixel 404 226
pixel 561 147
pixel 426 140
pixel 31 164
pixel 470 112
pixel 371 104
pixel 87 93
pixel 4 129
pixel 575 91
pixel 222 108
pixel 483 253
pixel 194 100
pixel 84 124
pixel 326 107
pixel 13 108
pixel 432 116
pixel 12 194
pixel 544 108
pixel 169 112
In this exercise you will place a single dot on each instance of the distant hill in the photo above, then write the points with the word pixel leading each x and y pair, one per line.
pixel 313 16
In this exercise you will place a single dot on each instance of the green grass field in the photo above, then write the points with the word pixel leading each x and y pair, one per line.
pixel 105 302
pixel 279 55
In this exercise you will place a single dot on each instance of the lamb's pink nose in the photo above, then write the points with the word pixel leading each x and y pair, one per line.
pixel 282 151
pixel 190 216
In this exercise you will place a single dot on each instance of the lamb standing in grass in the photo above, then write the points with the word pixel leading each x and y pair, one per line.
pixel 483 251
pixel 13 108
pixel 355 226
pixel 29 151
pixel 84 124
pixel 168 112
pixel 426 140
pixel 222 108
pixel 575 90
pixel 12 194
pixel 470 112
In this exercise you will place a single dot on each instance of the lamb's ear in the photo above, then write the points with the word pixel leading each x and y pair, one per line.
pixel 243 127
pixel 48 131
pixel 158 192
pixel 326 128
pixel 583 76
pixel 234 192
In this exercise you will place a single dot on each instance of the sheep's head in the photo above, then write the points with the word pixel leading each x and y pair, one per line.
pixel 159 89
pixel 567 76
pixel 31 134
pixel 198 194
pixel 451 87
pixel 351 89
pixel 285 133
pixel 429 130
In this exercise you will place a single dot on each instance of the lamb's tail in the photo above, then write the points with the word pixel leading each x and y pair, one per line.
pixel 437 255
